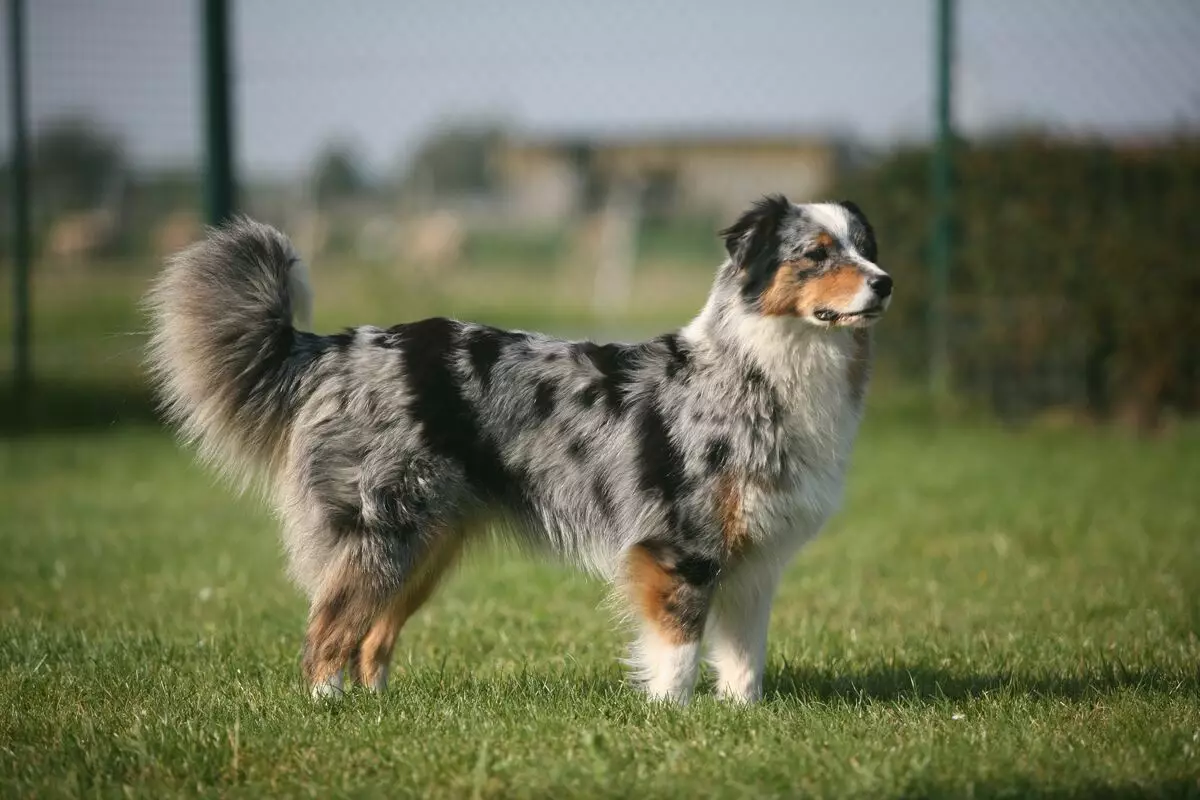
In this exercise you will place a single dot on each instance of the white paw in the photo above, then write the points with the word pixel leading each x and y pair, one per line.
pixel 679 697
pixel 329 689
pixel 744 696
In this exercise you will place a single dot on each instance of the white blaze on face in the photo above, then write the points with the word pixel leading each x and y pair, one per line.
pixel 836 220
pixel 833 218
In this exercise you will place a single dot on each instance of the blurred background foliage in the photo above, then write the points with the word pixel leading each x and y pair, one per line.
pixel 587 203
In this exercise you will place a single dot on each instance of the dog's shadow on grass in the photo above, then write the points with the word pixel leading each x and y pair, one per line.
pixel 925 683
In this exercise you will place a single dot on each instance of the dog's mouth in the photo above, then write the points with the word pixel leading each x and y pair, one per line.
pixel 831 317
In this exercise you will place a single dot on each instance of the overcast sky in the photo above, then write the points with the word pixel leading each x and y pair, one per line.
pixel 384 72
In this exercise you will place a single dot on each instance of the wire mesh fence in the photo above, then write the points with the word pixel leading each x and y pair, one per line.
pixel 565 167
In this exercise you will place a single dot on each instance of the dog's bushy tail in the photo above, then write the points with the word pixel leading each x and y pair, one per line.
pixel 223 342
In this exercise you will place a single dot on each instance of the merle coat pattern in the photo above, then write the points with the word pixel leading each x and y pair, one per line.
pixel 686 469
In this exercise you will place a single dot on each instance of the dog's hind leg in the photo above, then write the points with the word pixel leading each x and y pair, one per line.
pixel 349 599
pixel 374 653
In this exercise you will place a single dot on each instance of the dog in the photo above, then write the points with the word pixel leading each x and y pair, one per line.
pixel 685 470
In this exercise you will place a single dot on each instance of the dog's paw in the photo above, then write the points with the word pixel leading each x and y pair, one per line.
pixel 330 689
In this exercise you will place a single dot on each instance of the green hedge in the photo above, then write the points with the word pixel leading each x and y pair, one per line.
pixel 1076 275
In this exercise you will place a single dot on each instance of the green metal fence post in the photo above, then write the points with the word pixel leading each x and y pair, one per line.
pixel 21 233
pixel 219 183
pixel 941 252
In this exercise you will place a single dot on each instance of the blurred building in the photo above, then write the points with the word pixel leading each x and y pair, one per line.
pixel 550 178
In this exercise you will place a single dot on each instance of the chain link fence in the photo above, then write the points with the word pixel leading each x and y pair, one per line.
pixel 565 166
pixel 1075 182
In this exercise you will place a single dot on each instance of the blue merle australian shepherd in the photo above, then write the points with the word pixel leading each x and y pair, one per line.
pixel 685 470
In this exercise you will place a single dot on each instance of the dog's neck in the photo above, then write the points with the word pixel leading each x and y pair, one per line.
pixel 817 373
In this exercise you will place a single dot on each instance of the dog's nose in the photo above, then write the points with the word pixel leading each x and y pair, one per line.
pixel 881 285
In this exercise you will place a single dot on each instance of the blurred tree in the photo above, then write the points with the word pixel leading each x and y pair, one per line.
pixel 338 174
pixel 457 160
pixel 77 166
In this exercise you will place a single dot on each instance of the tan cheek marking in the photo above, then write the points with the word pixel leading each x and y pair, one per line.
pixel 832 290
pixel 860 364
pixel 781 298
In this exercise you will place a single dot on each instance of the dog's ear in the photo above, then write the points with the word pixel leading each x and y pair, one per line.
pixel 863 233
pixel 753 240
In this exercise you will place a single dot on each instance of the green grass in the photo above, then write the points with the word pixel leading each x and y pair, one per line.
pixel 993 614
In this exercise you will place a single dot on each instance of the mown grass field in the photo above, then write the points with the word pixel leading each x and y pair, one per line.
pixel 995 613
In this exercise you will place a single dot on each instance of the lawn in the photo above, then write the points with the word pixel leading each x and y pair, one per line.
pixel 994 613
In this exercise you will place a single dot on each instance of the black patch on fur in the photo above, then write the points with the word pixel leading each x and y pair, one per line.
pixel 689 566
pixel 679 355
pixel 753 242
pixel 578 449
pixel 862 234
pixel 400 508
pixel 589 395
pixel 660 462
pixel 612 362
pixel 484 348
pixel 543 400
pixel 344 517
pixel 552 356
pixel 341 342
pixel 604 499
pixel 661 468
pixel 696 569
pixel 716 458
pixel 755 379
pixel 449 425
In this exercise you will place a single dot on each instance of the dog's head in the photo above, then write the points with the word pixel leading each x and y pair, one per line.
pixel 814 262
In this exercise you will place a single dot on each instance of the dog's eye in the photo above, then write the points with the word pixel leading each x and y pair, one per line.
pixel 817 254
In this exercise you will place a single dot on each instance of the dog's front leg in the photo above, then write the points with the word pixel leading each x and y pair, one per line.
pixel 736 633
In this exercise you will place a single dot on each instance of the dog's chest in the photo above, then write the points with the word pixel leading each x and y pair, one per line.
pixel 814 439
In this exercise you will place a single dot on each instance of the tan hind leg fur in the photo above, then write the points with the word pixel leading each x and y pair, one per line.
pixel 375 651
pixel 354 623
